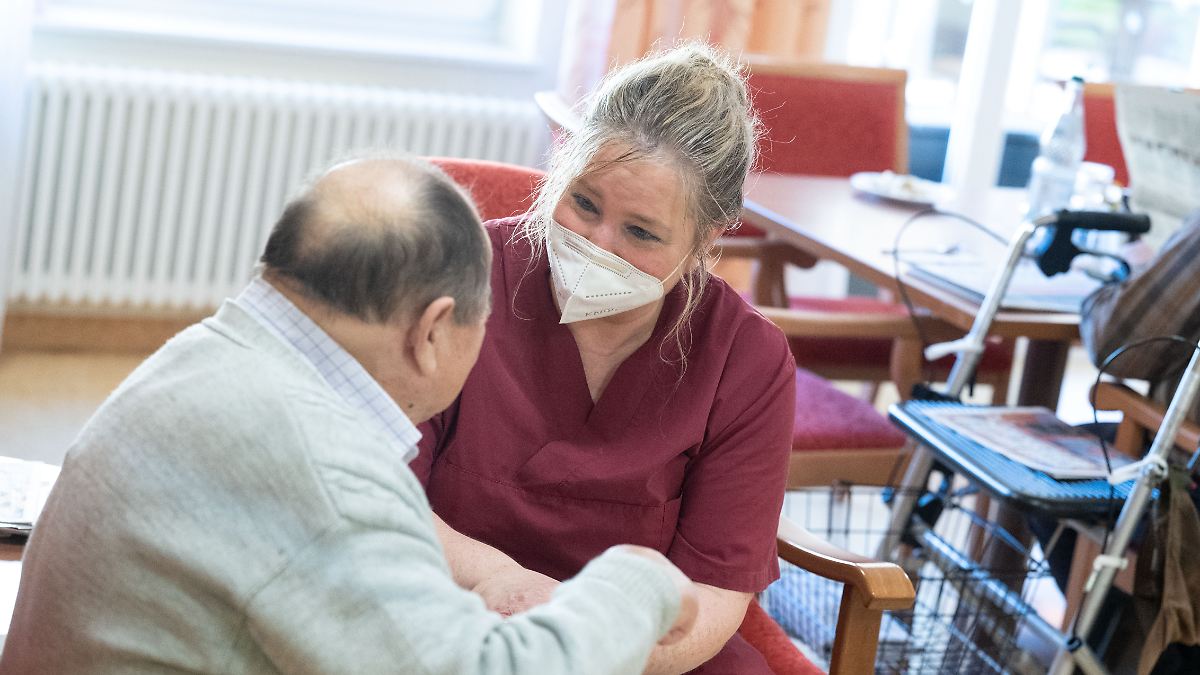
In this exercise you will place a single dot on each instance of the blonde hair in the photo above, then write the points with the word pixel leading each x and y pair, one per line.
pixel 687 106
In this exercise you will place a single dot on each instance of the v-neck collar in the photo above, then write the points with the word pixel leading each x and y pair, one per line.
pixel 627 388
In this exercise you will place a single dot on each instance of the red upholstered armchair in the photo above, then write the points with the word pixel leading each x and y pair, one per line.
pixel 1100 129
pixel 836 120
pixel 824 416
pixel 499 190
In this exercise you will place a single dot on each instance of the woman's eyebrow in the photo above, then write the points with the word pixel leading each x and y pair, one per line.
pixel 587 186
pixel 646 220
pixel 583 183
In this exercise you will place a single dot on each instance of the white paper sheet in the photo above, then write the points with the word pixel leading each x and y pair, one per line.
pixel 1159 129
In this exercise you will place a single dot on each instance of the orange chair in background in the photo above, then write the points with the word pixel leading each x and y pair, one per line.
pixel 1100 129
pixel 836 120
pixel 499 190
pixel 827 119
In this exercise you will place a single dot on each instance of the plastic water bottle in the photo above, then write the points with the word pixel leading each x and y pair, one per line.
pixel 1052 180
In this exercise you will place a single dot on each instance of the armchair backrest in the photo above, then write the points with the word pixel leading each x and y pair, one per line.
pixel 1100 129
pixel 830 119
pixel 499 190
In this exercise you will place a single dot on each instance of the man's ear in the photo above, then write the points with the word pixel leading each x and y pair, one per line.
pixel 429 332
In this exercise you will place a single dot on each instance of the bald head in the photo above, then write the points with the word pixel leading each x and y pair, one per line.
pixel 380 238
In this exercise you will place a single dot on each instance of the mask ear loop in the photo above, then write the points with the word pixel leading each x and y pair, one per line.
pixel 663 281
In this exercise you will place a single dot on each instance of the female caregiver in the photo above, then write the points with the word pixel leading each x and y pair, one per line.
pixel 622 393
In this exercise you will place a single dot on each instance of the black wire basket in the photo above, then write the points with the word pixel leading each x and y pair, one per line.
pixel 973 581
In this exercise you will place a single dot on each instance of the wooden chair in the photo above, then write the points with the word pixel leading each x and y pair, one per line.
pixel 870 588
pixel 836 120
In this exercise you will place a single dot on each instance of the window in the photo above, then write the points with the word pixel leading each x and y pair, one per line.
pixel 925 37
pixel 1142 41
pixel 485 29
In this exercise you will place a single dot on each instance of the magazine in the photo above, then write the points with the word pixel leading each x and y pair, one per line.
pixel 1032 436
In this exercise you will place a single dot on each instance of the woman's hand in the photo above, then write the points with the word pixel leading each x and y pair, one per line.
pixel 513 589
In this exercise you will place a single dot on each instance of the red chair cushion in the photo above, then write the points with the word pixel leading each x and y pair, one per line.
pixel 499 190
pixel 875 352
pixel 829 419
pixel 761 631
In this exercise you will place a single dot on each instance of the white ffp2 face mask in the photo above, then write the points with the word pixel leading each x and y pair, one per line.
pixel 590 282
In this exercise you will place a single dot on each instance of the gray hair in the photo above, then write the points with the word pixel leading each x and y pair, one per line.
pixel 381 257
pixel 688 107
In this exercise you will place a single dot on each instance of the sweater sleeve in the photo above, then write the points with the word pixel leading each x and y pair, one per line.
pixel 373 594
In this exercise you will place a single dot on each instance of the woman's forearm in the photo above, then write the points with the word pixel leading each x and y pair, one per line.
pixel 506 586
pixel 470 561
pixel 721 612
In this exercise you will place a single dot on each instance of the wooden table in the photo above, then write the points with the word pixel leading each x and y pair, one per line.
pixel 824 218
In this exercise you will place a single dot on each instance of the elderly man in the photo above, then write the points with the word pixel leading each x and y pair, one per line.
pixel 242 503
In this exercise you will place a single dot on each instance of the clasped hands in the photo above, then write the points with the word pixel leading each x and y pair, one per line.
pixel 513 589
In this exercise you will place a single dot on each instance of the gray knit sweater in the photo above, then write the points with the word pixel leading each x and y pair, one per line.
pixel 226 512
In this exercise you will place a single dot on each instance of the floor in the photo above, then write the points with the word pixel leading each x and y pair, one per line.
pixel 45 398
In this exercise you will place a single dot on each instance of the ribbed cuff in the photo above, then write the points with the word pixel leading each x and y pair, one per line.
pixel 644 581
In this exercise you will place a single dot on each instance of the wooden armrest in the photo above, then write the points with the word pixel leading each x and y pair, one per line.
pixel 741 247
pixel 769 250
pixel 557 111
pixel 1143 412
pixel 882 585
pixel 815 323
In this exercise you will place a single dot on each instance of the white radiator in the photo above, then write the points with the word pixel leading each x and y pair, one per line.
pixel 154 189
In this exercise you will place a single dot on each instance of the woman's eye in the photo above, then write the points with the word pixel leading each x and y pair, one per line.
pixel 584 203
pixel 642 234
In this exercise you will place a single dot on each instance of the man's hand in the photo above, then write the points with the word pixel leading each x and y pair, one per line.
pixel 689 600
pixel 513 589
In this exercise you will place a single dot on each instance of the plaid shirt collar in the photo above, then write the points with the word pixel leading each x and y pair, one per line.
pixel 346 375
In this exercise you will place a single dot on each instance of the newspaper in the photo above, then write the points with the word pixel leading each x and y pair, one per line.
pixel 1159 129
pixel 1032 436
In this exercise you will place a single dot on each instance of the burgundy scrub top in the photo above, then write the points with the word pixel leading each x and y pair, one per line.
pixel 692 466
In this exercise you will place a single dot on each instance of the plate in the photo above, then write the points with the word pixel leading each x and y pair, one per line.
pixel 901 188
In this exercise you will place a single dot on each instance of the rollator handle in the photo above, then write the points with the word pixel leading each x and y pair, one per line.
pixel 1110 221
pixel 1055 253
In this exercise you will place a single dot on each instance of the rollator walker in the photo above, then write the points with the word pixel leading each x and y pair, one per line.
pixel 1132 485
